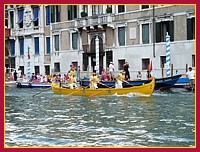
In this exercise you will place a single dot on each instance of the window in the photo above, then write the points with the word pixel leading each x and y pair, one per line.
pixel 47 69
pixel 6 18
pixel 85 61
pixel 121 8
pixel 55 14
pixel 22 69
pixel 58 13
pixel 56 42
pixel 72 12
pixel 11 19
pixel 191 28
pixel 109 57
pixel 121 36
pixel 37 70
pixel 20 17
pixel 162 61
pixel 85 8
pixel 56 67
pixel 193 60
pixel 36 42
pixel 48 15
pixel 48 45
pixel 161 30
pixel 75 64
pixel 35 16
pixel 75 41
pixel 97 9
pixel 145 33
pixel 145 64
pixel 120 64
pixel 145 6
pixel 12 43
pixel 21 46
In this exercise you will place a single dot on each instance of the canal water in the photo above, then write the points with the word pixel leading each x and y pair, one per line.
pixel 165 119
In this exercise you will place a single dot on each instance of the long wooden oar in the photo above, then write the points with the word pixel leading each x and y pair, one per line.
pixel 41 91
pixel 97 93
pixel 77 90
pixel 103 84
pixel 127 82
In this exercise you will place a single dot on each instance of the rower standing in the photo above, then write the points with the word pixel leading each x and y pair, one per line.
pixel 119 80
pixel 93 81
pixel 72 82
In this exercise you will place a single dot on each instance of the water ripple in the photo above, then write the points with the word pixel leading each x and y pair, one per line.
pixel 163 119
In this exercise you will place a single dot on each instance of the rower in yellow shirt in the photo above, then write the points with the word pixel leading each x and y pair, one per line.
pixel 119 80
pixel 93 81
pixel 72 71
pixel 72 82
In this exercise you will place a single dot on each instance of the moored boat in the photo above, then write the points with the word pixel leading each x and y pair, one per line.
pixel 145 89
pixel 160 83
pixel 32 85
pixel 11 84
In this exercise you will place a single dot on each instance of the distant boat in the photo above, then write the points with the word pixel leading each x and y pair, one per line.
pixel 32 85
pixel 160 83
pixel 11 84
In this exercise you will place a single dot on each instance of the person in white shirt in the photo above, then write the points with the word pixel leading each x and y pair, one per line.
pixel 191 76
pixel 111 70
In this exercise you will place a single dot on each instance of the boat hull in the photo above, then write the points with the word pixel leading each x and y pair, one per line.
pixel 160 83
pixel 145 89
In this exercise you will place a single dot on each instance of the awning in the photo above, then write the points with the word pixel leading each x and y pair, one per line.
pixel 35 11
pixel 21 14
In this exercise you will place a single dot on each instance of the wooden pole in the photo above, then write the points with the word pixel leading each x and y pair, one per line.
pixel 186 68
pixel 172 69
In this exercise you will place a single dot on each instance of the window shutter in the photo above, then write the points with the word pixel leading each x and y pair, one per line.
pixel 121 36
pixel 36 45
pixel 52 14
pixel 189 29
pixel 47 15
pixel 171 30
pixel 158 32
pixel 70 12
pixel 145 33
pixel 12 48
pixel 48 45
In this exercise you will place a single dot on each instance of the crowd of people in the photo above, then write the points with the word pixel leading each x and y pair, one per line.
pixel 73 76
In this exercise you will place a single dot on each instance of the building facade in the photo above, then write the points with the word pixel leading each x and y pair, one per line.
pixel 56 36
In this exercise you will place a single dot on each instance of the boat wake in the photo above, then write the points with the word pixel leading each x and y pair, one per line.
pixel 131 94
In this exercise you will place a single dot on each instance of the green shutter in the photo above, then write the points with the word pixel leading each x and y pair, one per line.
pixel 145 33
pixel 75 40
pixel 69 12
pixel 121 36
pixel 52 14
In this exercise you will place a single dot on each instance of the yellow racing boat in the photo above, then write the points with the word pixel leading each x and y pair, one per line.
pixel 145 89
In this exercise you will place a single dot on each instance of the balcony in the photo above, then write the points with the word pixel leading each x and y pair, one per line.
pixel 7 32
pixel 27 31
pixel 94 20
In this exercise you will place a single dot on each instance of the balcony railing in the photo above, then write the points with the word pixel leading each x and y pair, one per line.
pixel 94 20
pixel 27 31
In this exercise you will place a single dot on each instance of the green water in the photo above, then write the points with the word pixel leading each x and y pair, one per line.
pixel 163 119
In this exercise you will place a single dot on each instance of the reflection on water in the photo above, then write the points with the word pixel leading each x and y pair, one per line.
pixel 163 119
